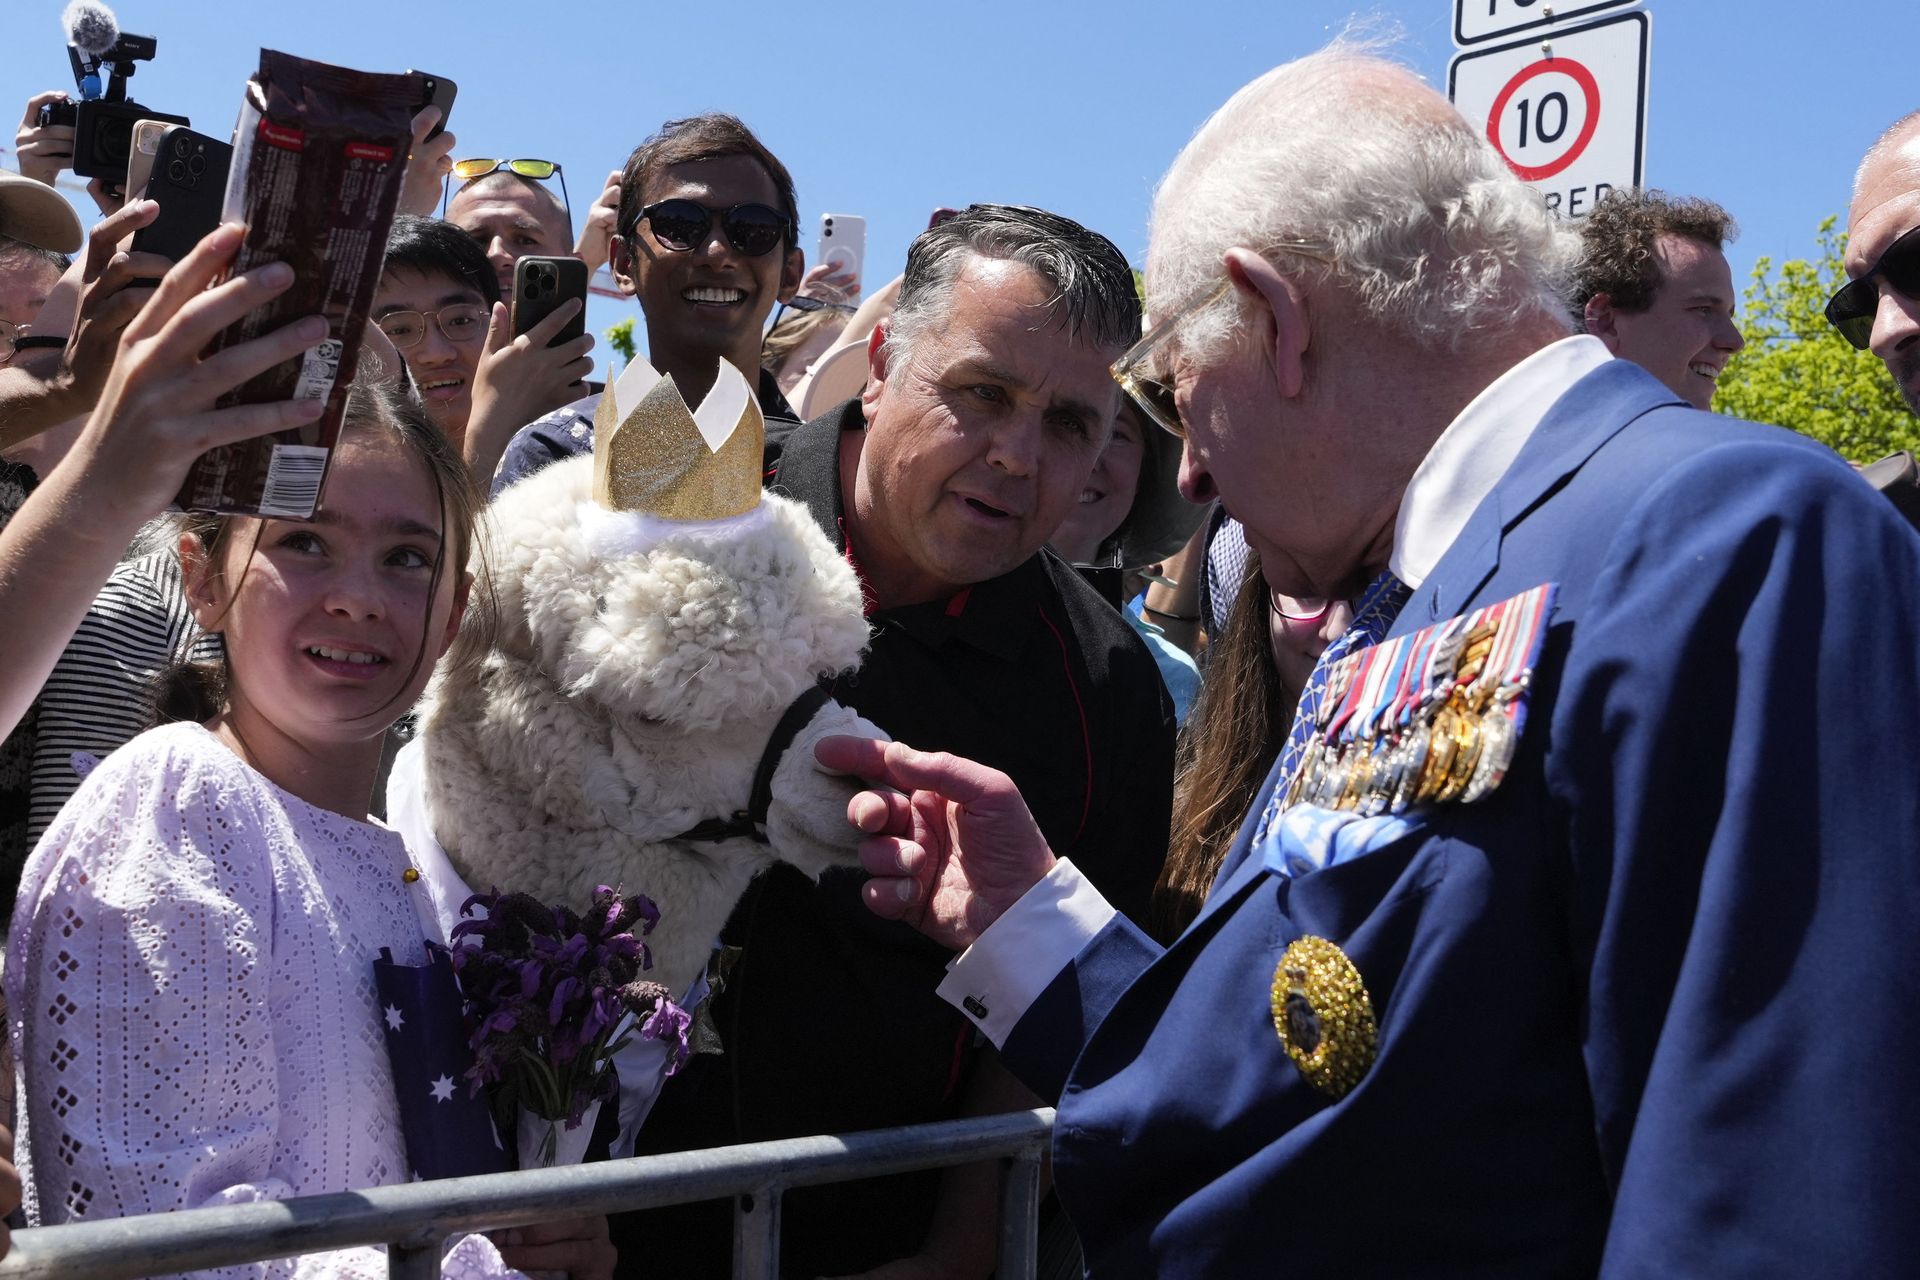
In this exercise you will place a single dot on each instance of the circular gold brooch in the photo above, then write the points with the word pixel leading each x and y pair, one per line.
pixel 1324 1016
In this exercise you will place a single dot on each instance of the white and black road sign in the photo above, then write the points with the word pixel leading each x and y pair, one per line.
pixel 1477 20
pixel 1568 114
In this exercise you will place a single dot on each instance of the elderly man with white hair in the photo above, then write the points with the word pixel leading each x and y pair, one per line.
pixel 1574 933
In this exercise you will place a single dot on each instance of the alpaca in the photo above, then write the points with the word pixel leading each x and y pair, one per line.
pixel 617 685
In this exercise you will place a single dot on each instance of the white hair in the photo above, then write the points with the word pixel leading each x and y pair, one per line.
pixel 1891 139
pixel 1416 216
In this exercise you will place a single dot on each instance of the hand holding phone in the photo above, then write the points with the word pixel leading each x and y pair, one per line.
pixel 189 183
pixel 843 244
pixel 540 286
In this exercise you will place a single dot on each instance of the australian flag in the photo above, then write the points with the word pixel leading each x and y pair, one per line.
pixel 449 1131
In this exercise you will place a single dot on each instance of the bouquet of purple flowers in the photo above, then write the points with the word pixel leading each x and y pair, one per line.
pixel 547 992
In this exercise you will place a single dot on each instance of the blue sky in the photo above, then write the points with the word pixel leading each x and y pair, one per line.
pixel 891 111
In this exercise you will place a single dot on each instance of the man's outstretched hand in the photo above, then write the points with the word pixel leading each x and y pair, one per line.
pixel 950 844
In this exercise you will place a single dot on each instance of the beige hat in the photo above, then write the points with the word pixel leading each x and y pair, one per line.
pixel 36 213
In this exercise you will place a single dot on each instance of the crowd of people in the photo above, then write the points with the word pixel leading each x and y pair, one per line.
pixel 1631 1000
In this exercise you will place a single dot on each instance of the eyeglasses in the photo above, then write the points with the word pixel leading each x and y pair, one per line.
pixel 461 323
pixel 1299 610
pixel 1856 302
pixel 807 306
pixel 9 334
pixel 468 170
pixel 681 225
pixel 1152 389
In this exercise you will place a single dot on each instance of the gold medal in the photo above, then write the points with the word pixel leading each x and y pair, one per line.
pixel 1324 1016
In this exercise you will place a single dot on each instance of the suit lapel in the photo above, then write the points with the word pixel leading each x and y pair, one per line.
pixel 1587 415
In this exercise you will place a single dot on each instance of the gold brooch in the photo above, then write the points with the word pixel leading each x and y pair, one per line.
pixel 1324 1016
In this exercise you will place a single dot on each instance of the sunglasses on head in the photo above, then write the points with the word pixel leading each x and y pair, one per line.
pixel 1856 302
pixel 540 170
pixel 681 225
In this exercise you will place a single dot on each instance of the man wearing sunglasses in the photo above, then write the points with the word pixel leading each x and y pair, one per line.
pixel 1879 308
pixel 1629 992
pixel 707 245
pixel 507 211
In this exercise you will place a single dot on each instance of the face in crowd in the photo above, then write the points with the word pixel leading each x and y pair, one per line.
pixel 26 278
pixel 709 299
pixel 439 325
pixel 1886 208
pixel 1108 495
pixel 1686 334
pixel 981 434
pixel 511 217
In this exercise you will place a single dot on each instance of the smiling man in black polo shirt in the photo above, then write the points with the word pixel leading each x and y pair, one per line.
pixel 988 403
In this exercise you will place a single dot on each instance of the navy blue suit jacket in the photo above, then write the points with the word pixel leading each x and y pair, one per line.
pixel 1652 1008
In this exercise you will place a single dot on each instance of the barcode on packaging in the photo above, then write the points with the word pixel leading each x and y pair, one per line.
pixel 293 481
pixel 318 368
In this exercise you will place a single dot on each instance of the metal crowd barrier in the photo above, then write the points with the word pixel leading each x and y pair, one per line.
pixel 413 1220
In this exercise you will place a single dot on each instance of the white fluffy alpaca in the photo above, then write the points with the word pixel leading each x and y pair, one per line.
pixel 637 667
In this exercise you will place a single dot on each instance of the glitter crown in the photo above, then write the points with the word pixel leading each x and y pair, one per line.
pixel 652 455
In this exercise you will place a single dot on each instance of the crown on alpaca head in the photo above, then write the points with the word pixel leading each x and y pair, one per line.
pixel 654 456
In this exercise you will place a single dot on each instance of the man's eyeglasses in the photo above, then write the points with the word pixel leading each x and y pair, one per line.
pixel 9 335
pixel 1150 387
pixel 462 322
pixel 540 170
pixel 753 230
pixel 807 306
pixel 1856 302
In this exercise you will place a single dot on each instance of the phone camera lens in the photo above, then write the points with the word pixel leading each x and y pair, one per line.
pixel 177 171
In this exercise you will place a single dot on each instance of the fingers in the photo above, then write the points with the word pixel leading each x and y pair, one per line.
pixel 880 813
pixel 549 327
pixel 103 242
pixel 610 194
pixel 203 312
pixel 891 898
pixel 37 101
pixel 499 329
pixel 231 366
pixel 900 766
pixel 423 122
pixel 239 422
pixel 579 1247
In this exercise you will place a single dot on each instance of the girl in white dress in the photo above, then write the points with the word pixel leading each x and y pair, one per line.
pixel 190 967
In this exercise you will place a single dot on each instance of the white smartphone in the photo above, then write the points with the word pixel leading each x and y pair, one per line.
pixel 843 242
pixel 140 157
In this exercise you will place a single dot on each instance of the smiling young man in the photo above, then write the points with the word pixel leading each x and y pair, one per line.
pixel 1654 286
pixel 436 289
pixel 987 405
pixel 707 245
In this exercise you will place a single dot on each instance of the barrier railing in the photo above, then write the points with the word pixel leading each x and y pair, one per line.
pixel 414 1220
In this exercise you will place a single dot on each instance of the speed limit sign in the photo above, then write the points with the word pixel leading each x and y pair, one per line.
pixel 1568 113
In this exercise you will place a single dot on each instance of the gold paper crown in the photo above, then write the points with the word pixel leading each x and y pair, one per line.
pixel 653 456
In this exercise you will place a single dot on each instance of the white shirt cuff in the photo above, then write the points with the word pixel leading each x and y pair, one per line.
pixel 997 979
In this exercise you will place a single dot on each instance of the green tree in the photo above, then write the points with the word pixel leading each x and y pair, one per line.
pixel 620 338
pixel 1796 371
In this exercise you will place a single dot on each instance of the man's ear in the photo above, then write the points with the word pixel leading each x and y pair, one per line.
pixel 1282 317
pixel 793 270
pixel 1599 319
pixel 876 365
pixel 620 265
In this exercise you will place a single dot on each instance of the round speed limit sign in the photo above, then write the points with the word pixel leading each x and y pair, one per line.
pixel 1544 117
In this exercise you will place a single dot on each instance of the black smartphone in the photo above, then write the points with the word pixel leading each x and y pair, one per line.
pixel 440 93
pixel 540 285
pixel 189 181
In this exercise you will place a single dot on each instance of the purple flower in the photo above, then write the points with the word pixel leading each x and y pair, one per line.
pixel 669 1022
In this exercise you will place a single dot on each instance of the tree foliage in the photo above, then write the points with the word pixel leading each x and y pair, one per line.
pixel 1797 372
pixel 620 338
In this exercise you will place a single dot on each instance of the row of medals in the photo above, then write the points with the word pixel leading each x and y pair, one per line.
pixel 1457 732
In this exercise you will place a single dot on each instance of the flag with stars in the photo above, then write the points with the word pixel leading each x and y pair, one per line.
pixel 448 1130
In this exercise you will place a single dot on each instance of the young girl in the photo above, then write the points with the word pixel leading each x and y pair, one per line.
pixel 191 957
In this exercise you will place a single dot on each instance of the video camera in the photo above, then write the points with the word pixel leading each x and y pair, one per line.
pixel 103 118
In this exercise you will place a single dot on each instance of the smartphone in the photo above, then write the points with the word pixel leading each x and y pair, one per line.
pixel 140 156
pixel 540 285
pixel 189 181
pixel 843 242
pixel 440 93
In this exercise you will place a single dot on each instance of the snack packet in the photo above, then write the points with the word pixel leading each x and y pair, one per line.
pixel 319 156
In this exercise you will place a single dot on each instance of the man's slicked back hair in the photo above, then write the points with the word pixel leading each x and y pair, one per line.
pixel 1618 238
pixel 713 136
pixel 1093 292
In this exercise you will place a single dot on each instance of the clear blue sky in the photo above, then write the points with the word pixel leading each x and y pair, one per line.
pixel 890 111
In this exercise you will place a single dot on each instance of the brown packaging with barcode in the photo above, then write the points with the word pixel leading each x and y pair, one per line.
pixel 318 159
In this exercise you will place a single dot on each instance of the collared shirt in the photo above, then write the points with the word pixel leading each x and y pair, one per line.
pixel 568 432
pixel 828 1018
pixel 999 977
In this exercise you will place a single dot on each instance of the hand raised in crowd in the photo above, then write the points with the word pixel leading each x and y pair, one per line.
pixel 156 412
pixel 43 150
pixel 602 224
pixel 428 165
pixel 950 847
pixel 830 282
pixel 519 379
pixel 578 1248
pixel 115 287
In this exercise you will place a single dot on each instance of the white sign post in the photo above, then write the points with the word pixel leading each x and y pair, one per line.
pixel 1477 20
pixel 1568 112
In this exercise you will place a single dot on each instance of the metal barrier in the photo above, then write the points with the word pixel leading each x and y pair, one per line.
pixel 413 1220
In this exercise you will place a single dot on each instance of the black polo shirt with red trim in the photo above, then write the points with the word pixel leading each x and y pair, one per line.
pixel 829 1018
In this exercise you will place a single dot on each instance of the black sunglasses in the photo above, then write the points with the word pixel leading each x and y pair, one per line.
pixel 1856 302
pixel 681 225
